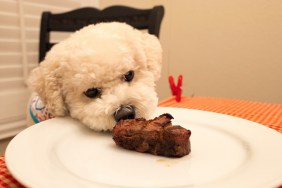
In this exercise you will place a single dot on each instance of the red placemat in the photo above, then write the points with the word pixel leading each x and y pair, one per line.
pixel 267 114
pixel 6 179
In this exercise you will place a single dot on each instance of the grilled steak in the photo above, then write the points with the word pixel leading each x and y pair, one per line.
pixel 157 136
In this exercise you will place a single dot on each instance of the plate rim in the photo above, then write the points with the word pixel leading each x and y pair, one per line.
pixel 22 181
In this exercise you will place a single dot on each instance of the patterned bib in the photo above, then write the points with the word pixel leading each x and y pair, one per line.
pixel 38 110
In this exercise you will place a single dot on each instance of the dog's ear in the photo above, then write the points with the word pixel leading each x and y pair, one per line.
pixel 153 51
pixel 45 81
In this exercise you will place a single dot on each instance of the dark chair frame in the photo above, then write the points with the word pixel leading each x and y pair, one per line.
pixel 74 20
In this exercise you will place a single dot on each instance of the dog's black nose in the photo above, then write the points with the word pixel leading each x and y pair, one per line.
pixel 124 112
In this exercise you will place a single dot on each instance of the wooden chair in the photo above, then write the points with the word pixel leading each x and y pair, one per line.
pixel 149 19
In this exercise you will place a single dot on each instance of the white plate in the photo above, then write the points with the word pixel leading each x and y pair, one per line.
pixel 226 152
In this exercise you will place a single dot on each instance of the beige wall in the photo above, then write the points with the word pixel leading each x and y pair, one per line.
pixel 230 49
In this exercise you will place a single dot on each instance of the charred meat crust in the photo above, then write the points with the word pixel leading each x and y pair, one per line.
pixel 157 136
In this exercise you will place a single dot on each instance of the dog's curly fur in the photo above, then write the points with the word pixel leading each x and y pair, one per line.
pixel 98 56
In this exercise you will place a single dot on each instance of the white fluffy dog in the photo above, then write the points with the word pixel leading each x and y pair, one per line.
pixel 101 74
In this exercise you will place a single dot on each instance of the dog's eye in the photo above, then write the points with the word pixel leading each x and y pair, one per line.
pixel 93 92
pixel 128 76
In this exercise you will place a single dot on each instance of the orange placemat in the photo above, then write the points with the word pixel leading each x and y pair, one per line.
pixel 264 113
pixel 6 179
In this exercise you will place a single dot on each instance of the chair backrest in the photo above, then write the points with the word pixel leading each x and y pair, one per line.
pixel 149 19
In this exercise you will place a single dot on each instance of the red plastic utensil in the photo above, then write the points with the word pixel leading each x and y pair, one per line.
pixel 176 90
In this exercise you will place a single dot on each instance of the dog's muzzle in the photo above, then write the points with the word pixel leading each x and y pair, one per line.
pixel 124 112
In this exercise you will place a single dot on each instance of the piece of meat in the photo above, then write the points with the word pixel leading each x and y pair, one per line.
pixel 157 136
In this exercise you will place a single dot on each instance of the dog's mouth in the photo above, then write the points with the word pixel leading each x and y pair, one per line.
pixel 124 112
